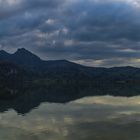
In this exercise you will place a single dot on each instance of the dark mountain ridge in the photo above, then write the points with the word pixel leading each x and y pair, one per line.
pixel 26 81
pixel 61 80
pixel 64 69
pixel 30 62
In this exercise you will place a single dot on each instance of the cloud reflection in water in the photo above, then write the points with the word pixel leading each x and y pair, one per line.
pixel 97 118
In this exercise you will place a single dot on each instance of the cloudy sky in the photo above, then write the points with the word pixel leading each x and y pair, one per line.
pixel 91 32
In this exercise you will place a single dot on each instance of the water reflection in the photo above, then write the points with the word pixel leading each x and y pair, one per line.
pixel 98 118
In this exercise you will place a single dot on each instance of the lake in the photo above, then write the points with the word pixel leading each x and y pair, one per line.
pixel 89 118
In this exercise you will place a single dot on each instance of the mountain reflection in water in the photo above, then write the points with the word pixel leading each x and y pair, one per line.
pixel 98 118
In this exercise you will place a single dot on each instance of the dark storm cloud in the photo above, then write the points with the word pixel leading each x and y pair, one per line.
pixel 10 8
pixel 104 21
pixel 79 30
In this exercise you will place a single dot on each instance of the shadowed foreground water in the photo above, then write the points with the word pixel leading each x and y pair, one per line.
pixel 92 118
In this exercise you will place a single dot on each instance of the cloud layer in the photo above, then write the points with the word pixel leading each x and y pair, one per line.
pixel 90 32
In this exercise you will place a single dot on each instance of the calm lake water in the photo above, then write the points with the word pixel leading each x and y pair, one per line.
pixel 91 118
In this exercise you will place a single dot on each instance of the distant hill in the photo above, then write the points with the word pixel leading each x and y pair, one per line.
pixel 24 72
pixel 30 62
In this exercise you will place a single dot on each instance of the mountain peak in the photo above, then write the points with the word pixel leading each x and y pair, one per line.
pixel 3 52
pixel 22 50
pixel 25 57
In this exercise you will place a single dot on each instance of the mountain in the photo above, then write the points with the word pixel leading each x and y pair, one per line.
pixel 21 57
pixel 26 81
pixel 61 80
pixel 30 62
pixel 64 69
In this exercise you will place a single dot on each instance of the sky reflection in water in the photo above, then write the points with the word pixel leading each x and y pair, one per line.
pixel 98 118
